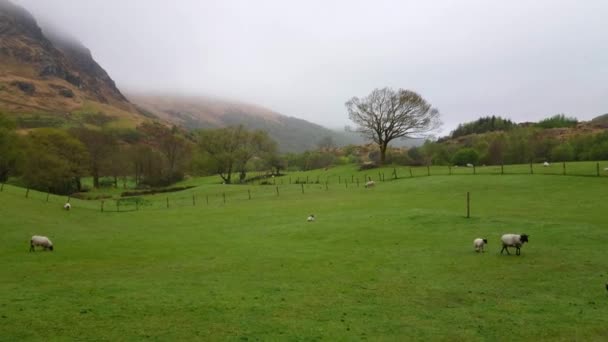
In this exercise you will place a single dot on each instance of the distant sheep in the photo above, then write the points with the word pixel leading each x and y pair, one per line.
pixel 41 241
pixel 606 169
pixel 545 164
pixel 67 206
pixel 469 165
pixel 513 240
pixel 310 218
pixel 479 244
pixel 370 184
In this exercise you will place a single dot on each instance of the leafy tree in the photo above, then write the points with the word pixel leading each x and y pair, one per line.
pixel 227 150
pixel 562 152
pixel 558 121
pixel 483 125
pixel 465 156
pixel 54 161
pixel 171 143
pixel 10 152
pixel 101 145
pixel 386 114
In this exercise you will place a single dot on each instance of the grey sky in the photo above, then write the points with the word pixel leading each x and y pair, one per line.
pixel 522 59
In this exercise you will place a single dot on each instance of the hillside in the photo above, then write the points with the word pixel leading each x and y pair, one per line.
pixel 50 80
pixel 292 134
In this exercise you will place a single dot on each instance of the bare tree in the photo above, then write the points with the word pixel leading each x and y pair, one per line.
pixel 386 114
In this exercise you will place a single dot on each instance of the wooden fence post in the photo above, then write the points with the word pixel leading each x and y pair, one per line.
pixel 395 173
pixel 357 182
pixel 411 174
pixel 47 196
pixel 326 187
pixel 468 205
pixel 306 179
pixel 302 187
pixel 167 202
pixel 27 192
pixel 564 168
pixel 249 192
pixel 277 191
pixel 102 202
pixel 531 169
pixel 598 169
pixel 352 178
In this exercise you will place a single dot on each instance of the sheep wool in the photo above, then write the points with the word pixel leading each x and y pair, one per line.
pixel 513 240
pixel 479 244
pixel 41 241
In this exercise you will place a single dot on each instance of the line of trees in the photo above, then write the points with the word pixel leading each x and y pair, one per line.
pixel 153 154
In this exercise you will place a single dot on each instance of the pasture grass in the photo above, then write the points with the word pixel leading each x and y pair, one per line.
pixel 394 262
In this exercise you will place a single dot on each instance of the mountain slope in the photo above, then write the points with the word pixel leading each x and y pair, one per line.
pixel 47 74
pixel 292 134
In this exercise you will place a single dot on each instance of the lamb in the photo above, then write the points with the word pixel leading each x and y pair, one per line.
pixel 67 206
pixel 370 184
pixel 513 240
pixel 41 241
pixel 479 244
pixel 310 218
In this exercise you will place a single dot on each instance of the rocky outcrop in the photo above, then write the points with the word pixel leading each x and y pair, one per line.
pixel 53 56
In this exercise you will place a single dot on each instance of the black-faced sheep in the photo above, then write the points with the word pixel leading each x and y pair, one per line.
pixel 67 206
pixel 513 240
pixel 41 241
pixel 479 244
pixel 310 218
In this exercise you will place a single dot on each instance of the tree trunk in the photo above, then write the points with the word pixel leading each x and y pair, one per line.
pixel 95 179
pixel 383 147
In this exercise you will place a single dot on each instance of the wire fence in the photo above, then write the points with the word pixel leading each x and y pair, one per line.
pixel 293 185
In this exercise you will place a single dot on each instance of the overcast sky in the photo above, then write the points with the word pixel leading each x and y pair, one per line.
pixel 522 59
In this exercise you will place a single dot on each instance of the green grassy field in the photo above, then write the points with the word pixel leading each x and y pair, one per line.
pixel 394 262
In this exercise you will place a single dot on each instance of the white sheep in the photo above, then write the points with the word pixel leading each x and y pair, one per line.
pixel 479 244
pixel 67 206
pixel 370 184
pixel 310 218
pixel 606 169
pixel 545 164
pixel 513 240
pixel 469 165
pixel 41 241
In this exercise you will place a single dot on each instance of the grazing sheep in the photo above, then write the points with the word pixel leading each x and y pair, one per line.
pixel 67 206
pixel 41 241
pixel 310 218
pixel 370 184
pixel 469 165
pixel 545 164
pixel 479 244
pixel 513 240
